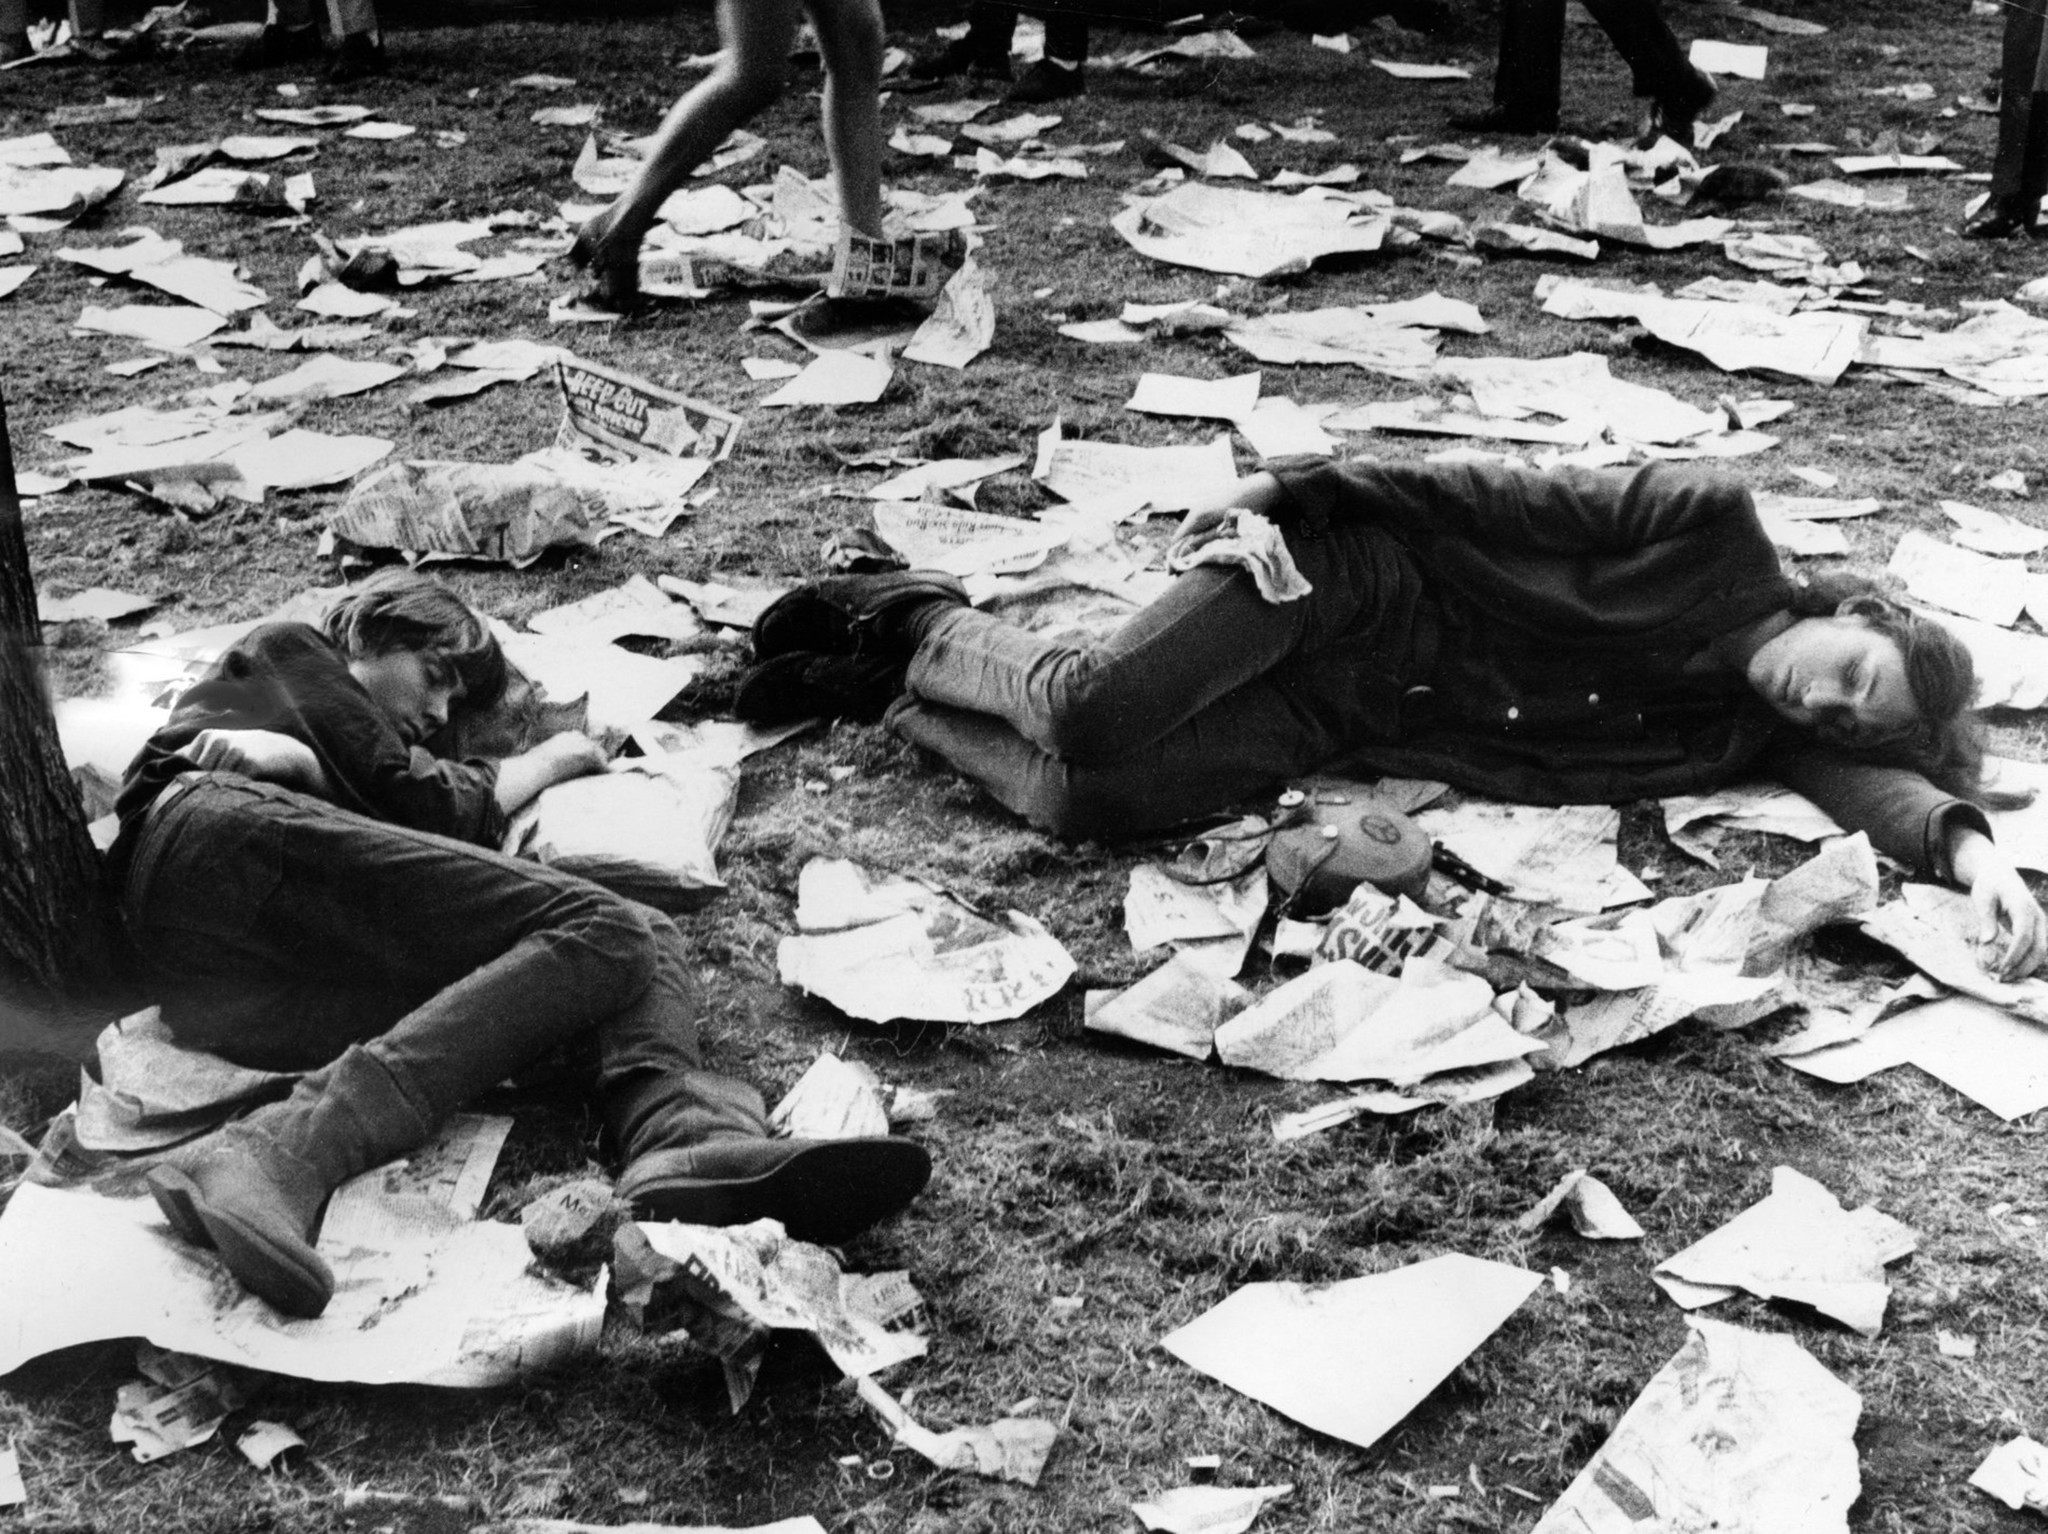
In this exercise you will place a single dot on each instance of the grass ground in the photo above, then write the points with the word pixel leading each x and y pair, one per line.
pixel 1070 1167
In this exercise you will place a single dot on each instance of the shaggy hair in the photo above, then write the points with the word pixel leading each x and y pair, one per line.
pixel 405 610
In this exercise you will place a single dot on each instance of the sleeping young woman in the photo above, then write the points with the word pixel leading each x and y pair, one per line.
pixel 1583 636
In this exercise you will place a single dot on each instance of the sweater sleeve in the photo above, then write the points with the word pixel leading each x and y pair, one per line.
pixel 1905 816
pixel 1565 512
pixel 289 678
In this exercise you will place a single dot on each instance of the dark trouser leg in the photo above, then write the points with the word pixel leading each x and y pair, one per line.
pixel 279 930
pixel 1528 78
pixel 1066 36
pixel 1655 57
pixel 990 28
pixel 2021 169
pixel 1209 635
pixel 1249 741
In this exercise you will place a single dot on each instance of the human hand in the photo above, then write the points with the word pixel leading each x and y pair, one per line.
pixel 1205 525
pixel 2012 930
pixel 265 755
pixel 572 754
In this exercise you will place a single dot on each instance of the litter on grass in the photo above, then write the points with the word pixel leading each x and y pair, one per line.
pixel 886 949
pixel 1351 1359
pixel 1798 1244
pixel 1741 1431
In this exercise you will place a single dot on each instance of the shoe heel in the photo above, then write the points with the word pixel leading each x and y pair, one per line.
pixel 178 1199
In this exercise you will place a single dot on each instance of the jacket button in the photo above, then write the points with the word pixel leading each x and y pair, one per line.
pixel 1593 698
pixel 1514 713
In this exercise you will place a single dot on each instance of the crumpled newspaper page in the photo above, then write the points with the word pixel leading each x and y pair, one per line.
pixel 1008 1449
pixel 1353 1358
pixel 1179 1006
pixel 1589 1204
pixel 803 1525
pixel 1742 1432
pixel 934 536
pixel 1691 819
pixel 1961 580
pixel 1724 952
pixel 1564 856
pixel 1245 233
pixel 154 1092
pixel 835 1099
pixel 962 324
pixel 611 414
pixel 180 1402
pixel 423 1293
pixel 1935 929
pixel 900 949
pixel 1208 1509
pixel 1343 1022
pixel 1990 1055
pixel 1252 544
pixel 1164 478
pixel 504 512
pixel 2016 1473
pixel 730 1285
pixel 1797 1244
pixel 1814 346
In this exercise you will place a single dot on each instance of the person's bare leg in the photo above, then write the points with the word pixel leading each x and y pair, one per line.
pixel 850 39
pixel 757 35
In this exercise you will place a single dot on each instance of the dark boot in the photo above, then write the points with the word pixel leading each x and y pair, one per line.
pixel 799 686
pixel 826 1191
pixel 276 46
pixel 852 615
pixel 254 1190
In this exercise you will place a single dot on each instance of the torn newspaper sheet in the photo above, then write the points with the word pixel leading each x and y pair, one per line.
pixel 1986 1053
pixel 1208 1509
pixel 2016 1473
pixel 1353 1358
pixel 1008 1449
pixel 835 1099
pixel 1797 1244
pixel 884 950
pixel 729 1286
pixel 1344 1022
pixel 424 1293
pixel 1246 233
pixel 1814 346
pixel 1179 1006
pixel 1741 1432
pixel 1163 478
pixel 1590 1205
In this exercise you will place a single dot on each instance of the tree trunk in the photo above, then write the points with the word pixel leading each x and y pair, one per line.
pixel 55 931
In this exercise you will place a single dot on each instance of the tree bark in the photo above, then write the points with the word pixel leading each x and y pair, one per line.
pixel 55 931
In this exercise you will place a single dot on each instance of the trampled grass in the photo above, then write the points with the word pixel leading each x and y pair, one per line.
pixel 1068 1167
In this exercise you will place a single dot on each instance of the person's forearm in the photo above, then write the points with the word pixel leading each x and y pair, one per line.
pixel 522 778
pixel 1971 854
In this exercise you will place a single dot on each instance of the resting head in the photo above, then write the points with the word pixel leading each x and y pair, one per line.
pixel 1864 674
pixel 418 650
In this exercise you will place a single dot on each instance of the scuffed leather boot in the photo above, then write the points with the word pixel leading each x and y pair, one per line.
pixel 826 1191
pixel 254 1190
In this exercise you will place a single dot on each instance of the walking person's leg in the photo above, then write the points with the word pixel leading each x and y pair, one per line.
pixel 750 75
pixel 1058 74
pixel 2021 166
pixel 983 53
pixel 1528 76
pixel 851 40
pixel 290 36
pixel 1661 73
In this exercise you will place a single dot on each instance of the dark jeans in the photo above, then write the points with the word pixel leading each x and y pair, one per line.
pixel 991 27
pixel 1528 78
pixel 1207 695
pixel 277 930
pixel 2020 173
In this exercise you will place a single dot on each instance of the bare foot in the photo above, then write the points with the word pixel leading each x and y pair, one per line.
pixel 614 271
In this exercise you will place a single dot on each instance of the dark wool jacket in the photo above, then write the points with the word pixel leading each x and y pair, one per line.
pixel 289 677
pixel 1569 615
